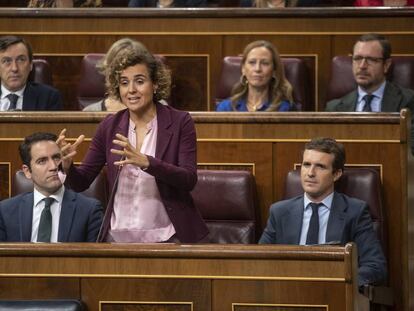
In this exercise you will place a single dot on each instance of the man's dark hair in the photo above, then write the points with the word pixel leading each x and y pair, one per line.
pixel 385 44
pixel 331 146
pixel 7 41
pixel 26 146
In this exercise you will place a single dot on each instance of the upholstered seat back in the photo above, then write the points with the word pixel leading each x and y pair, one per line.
pixel 91 86
pixel 342 79
pixel 98 189
pixel 295 71
pixel 226 200
pixel 41 72
pixel 361 183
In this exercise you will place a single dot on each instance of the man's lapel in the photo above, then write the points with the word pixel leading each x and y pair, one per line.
pixel 26 216
pixel 349 102
pixel 336 221
pixel 292 225
pixel 66 215
pixel 29 98
pixel 391 98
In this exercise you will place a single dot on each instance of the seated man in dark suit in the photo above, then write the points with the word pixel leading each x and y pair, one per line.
pixel 17 93
pixel 371 60
pixel 322 215
pixel 50 213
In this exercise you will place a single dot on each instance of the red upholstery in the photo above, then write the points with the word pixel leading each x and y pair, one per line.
pixel 342 80
pixel 98 189
pixel 361 183
pixel 91 86
pixel 295 71
pixel 41 72
pixel 226 200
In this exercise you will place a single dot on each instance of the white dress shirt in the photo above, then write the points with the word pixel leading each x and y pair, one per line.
pixel 324 212
pixel 376 101
pixel 55 208
pixel 5 102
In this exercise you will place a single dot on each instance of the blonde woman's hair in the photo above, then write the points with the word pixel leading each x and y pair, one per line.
pixel 279 87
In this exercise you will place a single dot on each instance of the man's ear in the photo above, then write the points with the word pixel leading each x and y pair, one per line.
pixel 337 174
pixel 27 172
pixel 387 65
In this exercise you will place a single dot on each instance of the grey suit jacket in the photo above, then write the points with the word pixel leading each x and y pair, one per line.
pixel 80 218
pixel 349 221
pixel 395 98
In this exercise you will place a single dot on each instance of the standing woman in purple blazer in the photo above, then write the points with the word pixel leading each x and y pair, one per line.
pixel 150 152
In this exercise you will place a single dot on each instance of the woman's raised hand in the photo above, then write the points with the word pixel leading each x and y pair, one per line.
pixel 68 150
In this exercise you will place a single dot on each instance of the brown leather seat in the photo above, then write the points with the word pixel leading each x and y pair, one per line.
pixel 342 80
pixel 364 184
pixel 41 72
pixel 226 200
pixel 295 71
pixel 91 86
pixel 98 189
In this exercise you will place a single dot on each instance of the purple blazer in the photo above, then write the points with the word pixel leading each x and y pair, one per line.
pixel 174 168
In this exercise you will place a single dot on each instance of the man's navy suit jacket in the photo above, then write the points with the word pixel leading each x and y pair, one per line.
pixel 349 221
pixel 38 96
pixel 80 218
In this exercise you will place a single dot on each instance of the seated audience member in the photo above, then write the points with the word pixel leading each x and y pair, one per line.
pixel 371 60
pixel 322 215
pixel 63 3
pixel 111 103
pixel 149 150
pixel 17 93
pixel 167 3
pixel 284 3
pixel 51 213
pixel 383 2
pixel 263 85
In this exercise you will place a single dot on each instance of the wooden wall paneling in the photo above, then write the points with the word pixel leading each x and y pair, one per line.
pixel 5 181
pixel 278 296
pixel 146 294
pixel 39 288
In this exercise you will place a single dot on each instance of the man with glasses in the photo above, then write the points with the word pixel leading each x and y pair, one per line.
pixel 371 60
pixel 17 93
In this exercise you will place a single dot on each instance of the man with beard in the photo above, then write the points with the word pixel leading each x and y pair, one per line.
pixel 371 60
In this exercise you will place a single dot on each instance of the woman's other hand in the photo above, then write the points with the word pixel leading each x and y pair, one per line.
pixel 129 155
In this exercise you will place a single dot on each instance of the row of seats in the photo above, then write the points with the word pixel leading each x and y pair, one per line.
pixel 91 87
pixel 233 216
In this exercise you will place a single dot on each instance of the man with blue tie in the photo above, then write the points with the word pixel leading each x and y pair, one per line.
pixel 16 92
pixel 371 60
pixel 50 213
pixel 323 216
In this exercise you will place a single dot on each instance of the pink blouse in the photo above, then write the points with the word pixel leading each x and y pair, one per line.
pixel 139 215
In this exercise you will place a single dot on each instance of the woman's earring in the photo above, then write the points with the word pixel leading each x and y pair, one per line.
pixel 243 80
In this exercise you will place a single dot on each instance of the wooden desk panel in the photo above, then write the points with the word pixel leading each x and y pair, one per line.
pixel 183 277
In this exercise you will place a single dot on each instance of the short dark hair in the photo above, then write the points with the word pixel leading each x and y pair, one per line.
pixel 385 44
pixel 331 146
pixel 26 146
pixel 7 41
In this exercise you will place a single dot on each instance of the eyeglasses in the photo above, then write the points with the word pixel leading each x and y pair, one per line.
pixel 368 59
